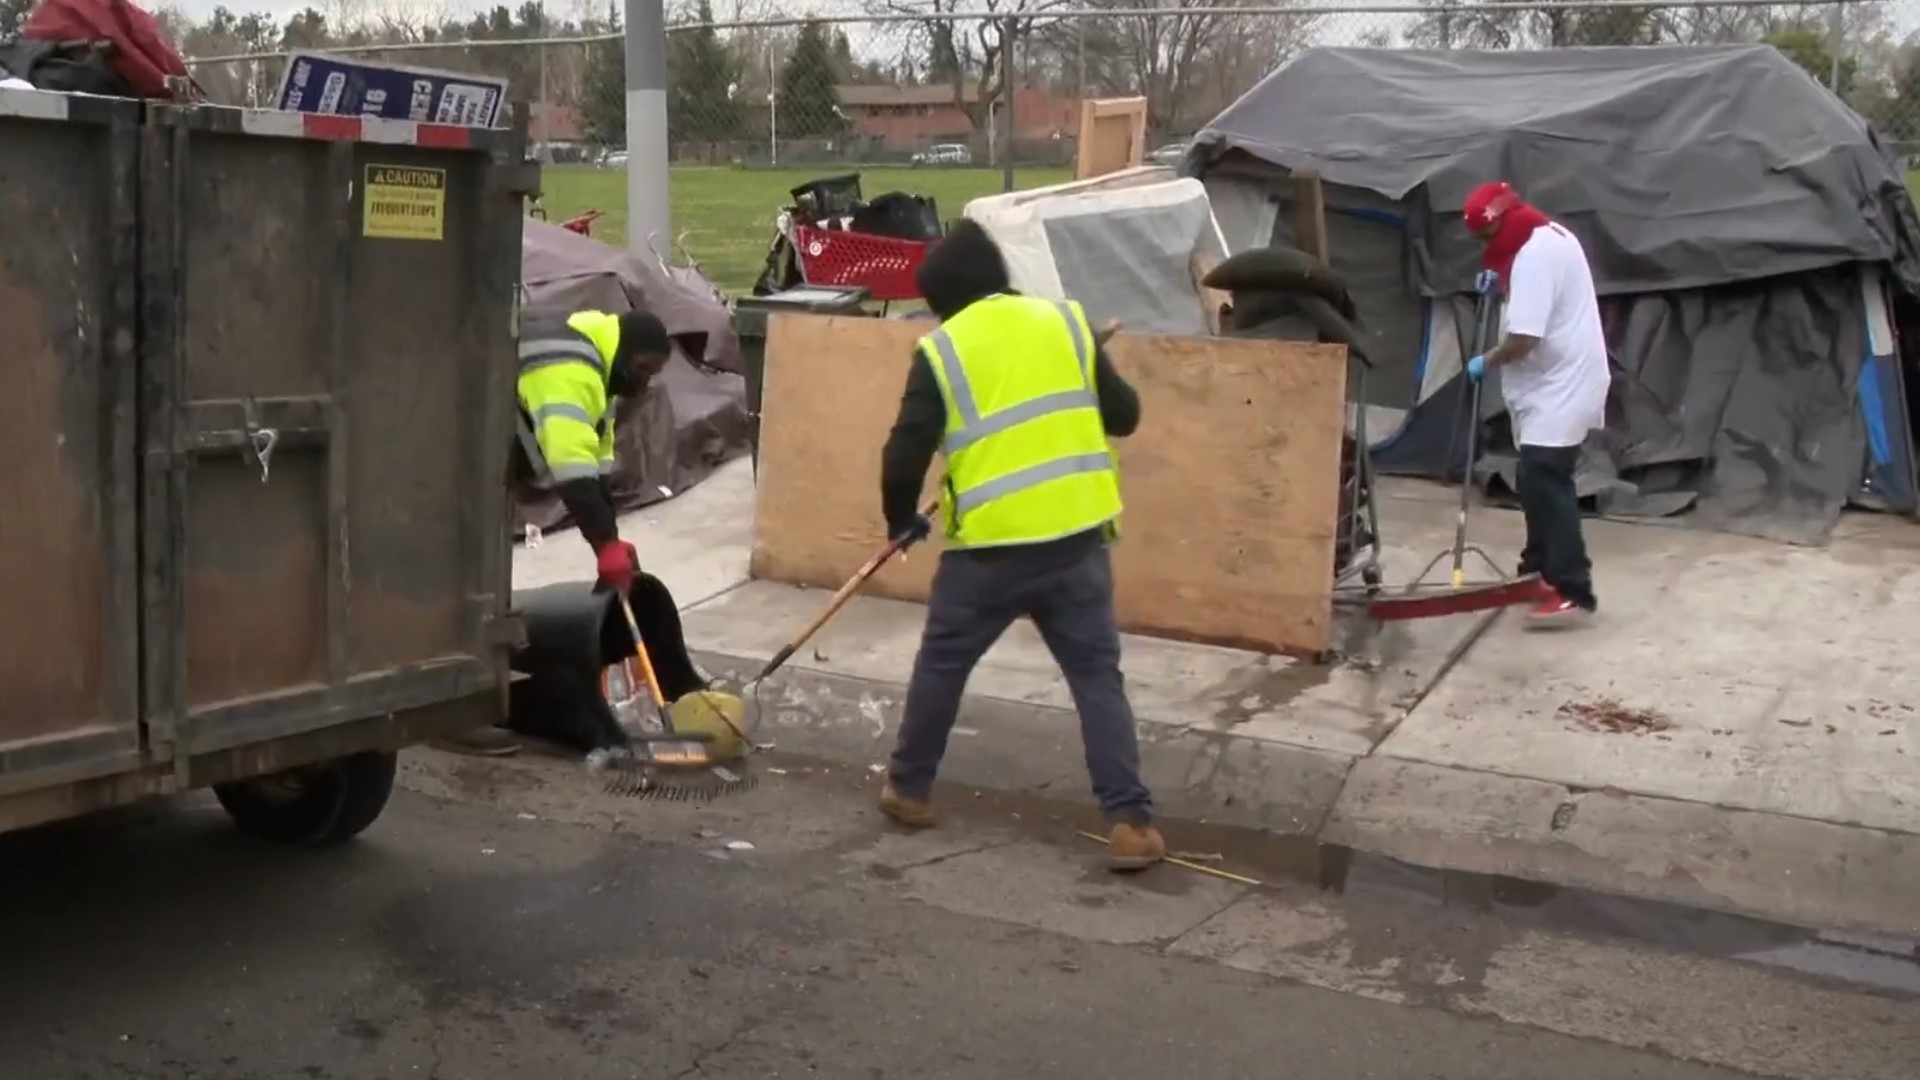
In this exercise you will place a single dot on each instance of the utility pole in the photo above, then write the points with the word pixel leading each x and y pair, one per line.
pixel 546 103
pixel 1006 103
pixel 648 212
pixel 1837 43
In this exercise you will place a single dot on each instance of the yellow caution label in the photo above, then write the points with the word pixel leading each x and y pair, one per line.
pixel 405 203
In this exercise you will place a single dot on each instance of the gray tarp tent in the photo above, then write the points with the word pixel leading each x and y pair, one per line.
pixel 1753 245
pixel 693 417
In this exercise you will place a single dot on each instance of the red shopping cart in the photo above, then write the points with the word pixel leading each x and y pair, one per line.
pixel 883 264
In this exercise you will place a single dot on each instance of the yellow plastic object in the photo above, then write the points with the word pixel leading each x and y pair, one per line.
pixel 716 713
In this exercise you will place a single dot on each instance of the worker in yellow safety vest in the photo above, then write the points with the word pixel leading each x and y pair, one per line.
pixel 573 370
pixel 1019 397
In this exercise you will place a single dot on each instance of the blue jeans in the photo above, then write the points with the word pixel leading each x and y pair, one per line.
pixel 1066 588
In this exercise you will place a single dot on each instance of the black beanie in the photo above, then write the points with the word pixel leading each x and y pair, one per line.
pixel 643 334
pixel 963 267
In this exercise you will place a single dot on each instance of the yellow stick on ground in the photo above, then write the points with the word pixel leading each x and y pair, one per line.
pixel 1185 865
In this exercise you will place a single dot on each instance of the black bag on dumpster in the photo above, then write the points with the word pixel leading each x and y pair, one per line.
pixel 71 67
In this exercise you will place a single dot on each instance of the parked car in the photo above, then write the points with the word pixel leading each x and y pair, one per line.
pixel 615 160
pixel 944 154
pixel 1171 154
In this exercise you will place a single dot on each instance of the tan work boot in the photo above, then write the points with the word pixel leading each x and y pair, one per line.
pixel 484 741
pixel 913 813
pixel 1134 847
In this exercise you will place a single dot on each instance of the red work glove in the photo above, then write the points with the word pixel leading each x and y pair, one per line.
pixel 618 563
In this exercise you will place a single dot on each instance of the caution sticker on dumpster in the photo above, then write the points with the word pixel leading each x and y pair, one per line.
pixel 405 203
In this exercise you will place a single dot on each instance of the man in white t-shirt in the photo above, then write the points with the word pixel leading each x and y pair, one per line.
pixel 1552 359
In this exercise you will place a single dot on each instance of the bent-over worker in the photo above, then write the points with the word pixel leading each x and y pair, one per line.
pixel 1552 361
pixel 1018 396
pixel 572 371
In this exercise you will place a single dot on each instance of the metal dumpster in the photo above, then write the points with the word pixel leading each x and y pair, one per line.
pixel 256 511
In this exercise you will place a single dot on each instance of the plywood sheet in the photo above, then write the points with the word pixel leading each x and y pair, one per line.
pixel 1113 136
pixel 1231 484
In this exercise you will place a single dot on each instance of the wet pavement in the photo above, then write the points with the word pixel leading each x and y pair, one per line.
pixel 1781 781
pixel 506 914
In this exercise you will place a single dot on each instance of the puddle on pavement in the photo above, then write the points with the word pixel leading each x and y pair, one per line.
pixel 1248 696
pixel 1883 964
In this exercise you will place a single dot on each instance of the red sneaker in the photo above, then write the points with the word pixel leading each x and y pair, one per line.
pixel 1554 612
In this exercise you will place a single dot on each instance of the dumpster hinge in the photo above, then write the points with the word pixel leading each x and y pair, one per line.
pixel 507 631
pixel 520 179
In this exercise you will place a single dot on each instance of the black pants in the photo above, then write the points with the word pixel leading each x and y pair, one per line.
pixel 1066 588
pixel 1555 549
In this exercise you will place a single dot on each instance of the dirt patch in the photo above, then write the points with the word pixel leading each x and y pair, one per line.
pixel 1609 716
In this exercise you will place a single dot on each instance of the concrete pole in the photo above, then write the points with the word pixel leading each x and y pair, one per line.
pixel 1838 42
pixel 1006 103
pixel 648 212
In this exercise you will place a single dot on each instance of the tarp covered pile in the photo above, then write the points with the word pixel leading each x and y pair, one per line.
pixel 693 416
pixel 1752 241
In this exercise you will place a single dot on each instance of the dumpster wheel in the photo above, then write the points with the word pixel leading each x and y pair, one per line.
pixel 314 805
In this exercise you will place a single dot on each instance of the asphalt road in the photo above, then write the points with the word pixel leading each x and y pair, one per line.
pixel 502 926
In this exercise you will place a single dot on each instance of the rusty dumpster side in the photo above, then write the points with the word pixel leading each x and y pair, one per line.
pixel 69 571
pixel 262 516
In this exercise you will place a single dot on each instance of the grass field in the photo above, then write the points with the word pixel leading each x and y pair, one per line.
pixel 727 214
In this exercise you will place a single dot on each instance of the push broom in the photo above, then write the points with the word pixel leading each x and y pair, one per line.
pixel 1423 601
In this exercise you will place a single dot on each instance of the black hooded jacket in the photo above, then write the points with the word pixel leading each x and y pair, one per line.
pixel 963 268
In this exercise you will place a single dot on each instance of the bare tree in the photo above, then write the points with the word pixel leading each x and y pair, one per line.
pixel 1188 65
pixel 971 55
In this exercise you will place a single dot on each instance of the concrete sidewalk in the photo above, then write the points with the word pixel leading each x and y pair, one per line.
pixel 1783 780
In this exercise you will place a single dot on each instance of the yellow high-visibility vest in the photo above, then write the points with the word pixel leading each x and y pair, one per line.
pixel 1027 456
pixel 566 419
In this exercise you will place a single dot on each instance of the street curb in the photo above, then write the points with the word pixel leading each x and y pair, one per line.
pixel 1816 874
pixel 1014 746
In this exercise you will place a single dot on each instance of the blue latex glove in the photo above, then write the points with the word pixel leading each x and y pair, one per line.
pixel 1485 282
pixel 919 529
pixel 1477 368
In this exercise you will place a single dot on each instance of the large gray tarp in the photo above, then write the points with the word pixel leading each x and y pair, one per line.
pixel 693 416
pixel 1727 203
pixel 1678 167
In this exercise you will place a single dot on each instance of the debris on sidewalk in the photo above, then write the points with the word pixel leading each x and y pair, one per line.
pixel 1185 864
pixel 1608 715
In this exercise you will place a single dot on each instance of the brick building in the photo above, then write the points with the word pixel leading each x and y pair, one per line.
pixel 905 118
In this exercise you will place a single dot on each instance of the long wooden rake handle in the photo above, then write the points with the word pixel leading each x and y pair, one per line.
pixel 880 558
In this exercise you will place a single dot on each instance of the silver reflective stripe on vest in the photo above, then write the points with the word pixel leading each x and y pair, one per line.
pixel 545 352
pixel 580 472
pixel 1032 476
pixel 530 445
pixel 562 410
pixel 973 427
pixel 1080 352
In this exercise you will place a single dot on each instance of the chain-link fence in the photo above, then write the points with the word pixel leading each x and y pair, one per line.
pixel 929 84
pixel 917 80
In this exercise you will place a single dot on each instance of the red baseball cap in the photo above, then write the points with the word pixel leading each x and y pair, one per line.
pixel 1488 203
